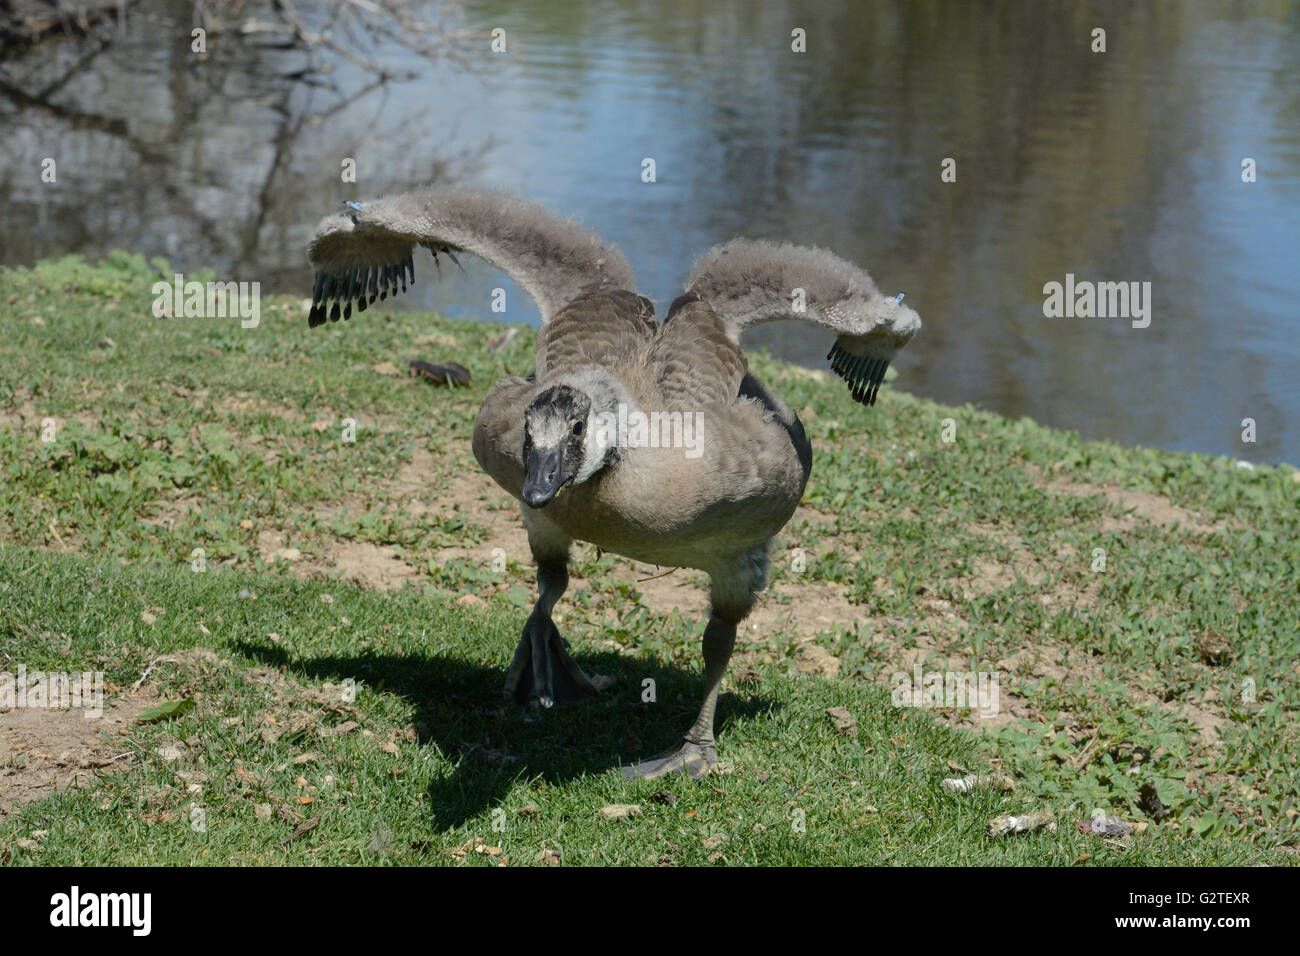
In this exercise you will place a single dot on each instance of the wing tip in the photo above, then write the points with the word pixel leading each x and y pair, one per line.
pixel 337 291
pixel 862 373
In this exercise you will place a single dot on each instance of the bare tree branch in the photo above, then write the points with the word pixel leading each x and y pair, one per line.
pixel 347 29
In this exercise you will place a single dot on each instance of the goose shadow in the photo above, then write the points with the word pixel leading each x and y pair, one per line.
pixel 490 743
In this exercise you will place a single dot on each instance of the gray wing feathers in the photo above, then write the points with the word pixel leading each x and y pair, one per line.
pixel 598 328
pixel 553 259
pixel 695 362
pixel 748 281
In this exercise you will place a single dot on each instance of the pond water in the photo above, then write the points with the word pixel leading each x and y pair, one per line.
pixel 1116 166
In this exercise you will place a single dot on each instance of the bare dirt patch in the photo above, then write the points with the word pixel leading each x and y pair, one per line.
pixel 993 573
pixel 791 610
pixel 468 492
pixel 415 474
pixel 1141 504
pixel 44 750
pixel 166 514
pixel 21 416
pixel 378 565
pixel 28 418
pixel 1156 509
pixel 244 403
pixel 473 494
pixel 375 564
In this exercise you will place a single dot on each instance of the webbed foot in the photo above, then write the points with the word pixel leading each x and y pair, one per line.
pixel 696 760
pixel 542 667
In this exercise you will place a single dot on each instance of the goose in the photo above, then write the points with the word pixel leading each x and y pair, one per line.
pixel 713 504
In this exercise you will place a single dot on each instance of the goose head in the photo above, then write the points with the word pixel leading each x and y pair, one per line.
pixel 563 443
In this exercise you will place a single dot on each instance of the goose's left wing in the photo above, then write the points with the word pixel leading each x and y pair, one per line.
pixel 749 281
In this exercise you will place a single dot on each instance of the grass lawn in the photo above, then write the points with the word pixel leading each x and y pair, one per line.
pixel 339 613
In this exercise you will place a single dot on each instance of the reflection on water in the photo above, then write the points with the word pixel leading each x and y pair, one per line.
pixel 1115 166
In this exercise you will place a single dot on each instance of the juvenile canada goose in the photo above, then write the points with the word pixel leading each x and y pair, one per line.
pixel 548 439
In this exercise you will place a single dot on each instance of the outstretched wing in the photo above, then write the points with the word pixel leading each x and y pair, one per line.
pixel 367 251
pixel 749 281
pixel 597 328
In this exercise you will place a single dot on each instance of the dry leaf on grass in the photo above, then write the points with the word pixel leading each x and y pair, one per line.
pixel 302 828
pixel 1035 819
pixel 844 723
pixel 978 781
pixel 1104 826
pixel 619 811
pixel 444 373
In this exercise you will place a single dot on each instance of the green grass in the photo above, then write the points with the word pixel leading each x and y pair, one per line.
pixel 176 435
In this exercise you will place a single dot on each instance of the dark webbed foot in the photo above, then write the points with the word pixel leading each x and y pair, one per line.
pixel 697 755
pixel 695 760
pixel 542 667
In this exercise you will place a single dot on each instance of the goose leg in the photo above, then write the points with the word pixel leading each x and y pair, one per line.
pixel 696 754
pixel 734 589
pixel 542 666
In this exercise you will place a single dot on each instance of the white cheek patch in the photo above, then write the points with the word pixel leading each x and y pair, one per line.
pixel 600 435
pixel 595 446
pixel 547 431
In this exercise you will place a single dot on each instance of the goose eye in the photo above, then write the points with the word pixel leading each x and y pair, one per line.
pixel 578 426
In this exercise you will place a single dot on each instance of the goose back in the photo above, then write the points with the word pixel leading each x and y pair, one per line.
pixel 746 471
pixel 693 362
pixel 597 328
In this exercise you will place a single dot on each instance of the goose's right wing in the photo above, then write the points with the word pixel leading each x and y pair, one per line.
pixel 366 252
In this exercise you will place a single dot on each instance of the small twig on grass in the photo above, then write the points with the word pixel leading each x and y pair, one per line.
pixel 1085 755
pixel 504 339
pixel 309 825
pixel 149 670
pixel 656 577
